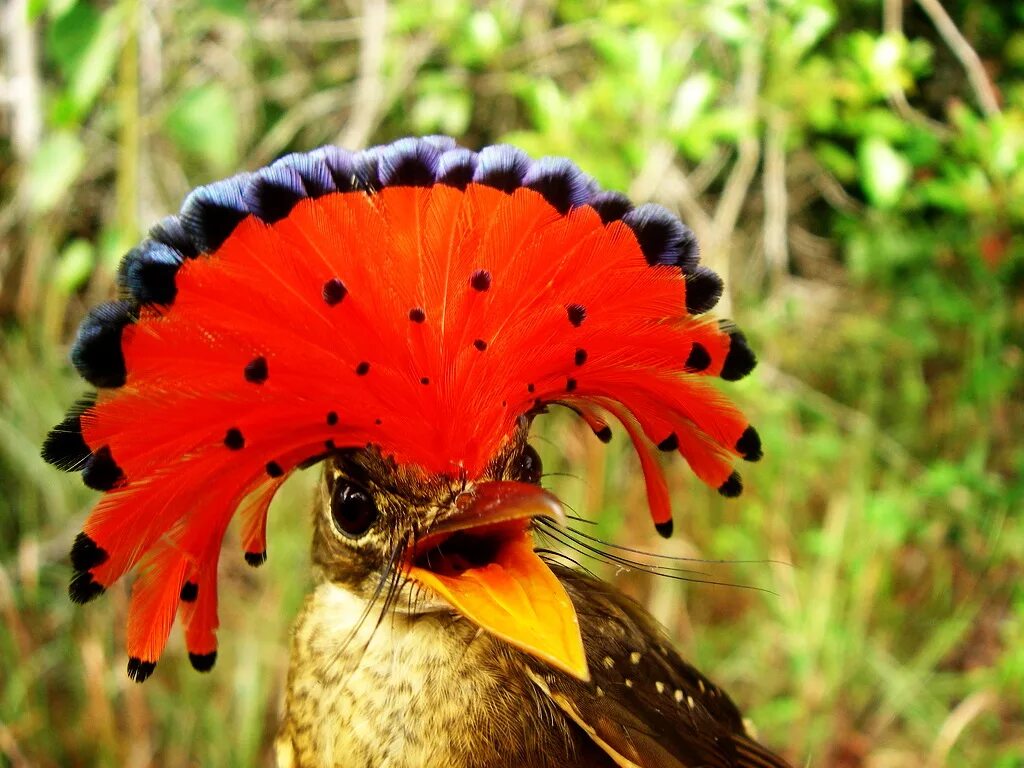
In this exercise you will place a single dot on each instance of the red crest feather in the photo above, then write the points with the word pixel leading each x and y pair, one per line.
pixel 419 297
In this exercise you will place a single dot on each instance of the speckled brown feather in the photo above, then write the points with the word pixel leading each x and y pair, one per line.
pixel 432 689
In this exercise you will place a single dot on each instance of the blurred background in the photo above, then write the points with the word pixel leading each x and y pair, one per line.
pixel 852 168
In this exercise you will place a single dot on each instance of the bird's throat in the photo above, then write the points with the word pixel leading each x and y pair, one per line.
pixel 484 566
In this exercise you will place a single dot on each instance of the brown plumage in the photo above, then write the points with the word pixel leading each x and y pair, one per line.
pixel 383 674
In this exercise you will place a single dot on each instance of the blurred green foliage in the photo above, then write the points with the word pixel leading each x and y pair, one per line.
pixel 854 170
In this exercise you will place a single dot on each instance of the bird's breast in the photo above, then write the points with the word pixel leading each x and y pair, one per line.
pixel 402 692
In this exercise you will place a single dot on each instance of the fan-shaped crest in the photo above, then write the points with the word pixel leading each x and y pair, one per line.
pixel 419 297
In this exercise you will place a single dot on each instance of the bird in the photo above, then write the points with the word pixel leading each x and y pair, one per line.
pixel 400 316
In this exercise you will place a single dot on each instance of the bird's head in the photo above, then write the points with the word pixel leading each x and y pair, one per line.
pixel 438 542
pixel 400 314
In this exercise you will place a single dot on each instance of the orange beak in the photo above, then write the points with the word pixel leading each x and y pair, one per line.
pixel 481 561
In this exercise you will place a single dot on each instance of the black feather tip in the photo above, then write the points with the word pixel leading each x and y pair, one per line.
pixel 101 472
pixel 139 670
pixel 96 353
pixel 749 445
pixel 86 553
pixel 409 163
pixel 664 529
pixel 740 359
pixel 272 192
pixel 64 446
pixel 732 487
pixel 203 662
pixel 703 290
pixel 256 559
pixel 561 183
pixel 501 166
pixel 670 443
pixel 663 239
pixel 148 272
pixel 83 588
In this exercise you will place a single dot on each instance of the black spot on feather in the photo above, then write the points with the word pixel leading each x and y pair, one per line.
pixel 577 313
pixel 139 670
pixel 570 385
pixel 274 469
pixel 101 472
pixel 749 445
pixel 363 368
pixel 148 271
pixel 256 370
pixel 332 418
pixel 580 357
pixel 234 439
pixel 732 487
pixel 86 554
pixel 202 662
pixel 604 434
pixel 480 344
pixel 96 353
pixel 698 359
pixel 425 380
pixel 480 280
pixel 663 238
pixel 84 588
pixel 189 592
pixel 703 290
pixel 417 315
pixel 333 291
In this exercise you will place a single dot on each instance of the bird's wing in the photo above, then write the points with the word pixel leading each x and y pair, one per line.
pixel 645 706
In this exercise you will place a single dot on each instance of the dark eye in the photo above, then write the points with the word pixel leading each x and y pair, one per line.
pixel 527 467
pixel 353 509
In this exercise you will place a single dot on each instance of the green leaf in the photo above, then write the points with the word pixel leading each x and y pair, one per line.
pixel 94 70
pixel 74 266
pixel 884 172
pixel 691 99
pixel 204 124
pixel 68 37
pixel 54 168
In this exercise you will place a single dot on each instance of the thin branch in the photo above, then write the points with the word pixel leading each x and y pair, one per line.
pixel 776 201
pixel 23 80
pixel 976 75
pixel 366 101
pixel 892 25
pixel 737 185
pixel 956 722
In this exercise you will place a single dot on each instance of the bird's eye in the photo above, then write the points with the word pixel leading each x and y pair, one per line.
pixel 353 509
pixel 527 467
